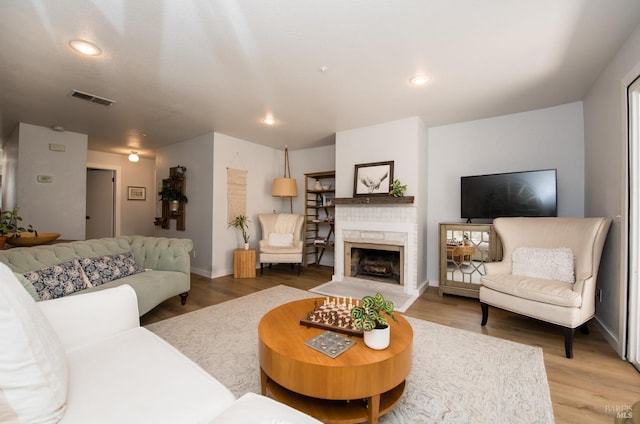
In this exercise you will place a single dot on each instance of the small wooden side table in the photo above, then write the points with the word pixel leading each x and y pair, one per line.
pixel 244 263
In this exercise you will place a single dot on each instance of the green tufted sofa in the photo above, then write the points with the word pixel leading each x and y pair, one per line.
pixel 165 260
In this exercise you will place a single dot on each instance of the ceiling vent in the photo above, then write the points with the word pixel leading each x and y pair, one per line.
pixel 92 98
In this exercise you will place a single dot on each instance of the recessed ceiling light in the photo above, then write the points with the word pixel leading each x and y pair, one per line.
pixel 419 80
pixel 85 47
pixel 269 120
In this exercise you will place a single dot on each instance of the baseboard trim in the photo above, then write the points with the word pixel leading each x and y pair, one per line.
pixel 201 272
pixel 611 338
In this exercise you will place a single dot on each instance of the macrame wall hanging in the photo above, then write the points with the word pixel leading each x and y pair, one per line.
pixel 236 191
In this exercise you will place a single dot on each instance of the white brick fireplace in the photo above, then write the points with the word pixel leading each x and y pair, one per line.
pixel 379 224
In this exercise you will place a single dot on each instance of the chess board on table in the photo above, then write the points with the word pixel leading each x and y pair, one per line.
pixel 333 313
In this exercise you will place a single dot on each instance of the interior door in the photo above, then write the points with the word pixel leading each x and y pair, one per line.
pixel 100 203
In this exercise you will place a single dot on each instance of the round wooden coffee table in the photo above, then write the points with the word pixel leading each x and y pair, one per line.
pixel 359 385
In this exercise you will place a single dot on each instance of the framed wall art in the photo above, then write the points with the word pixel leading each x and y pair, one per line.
pixel 136 193
pixel 373 179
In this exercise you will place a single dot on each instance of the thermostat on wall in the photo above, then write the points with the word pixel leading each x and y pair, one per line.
pixel 45 179
pixel 56 147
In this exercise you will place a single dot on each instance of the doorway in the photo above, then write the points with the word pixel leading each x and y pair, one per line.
pixel 100 216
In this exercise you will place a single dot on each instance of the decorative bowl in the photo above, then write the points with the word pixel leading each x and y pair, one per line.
pixel 30 239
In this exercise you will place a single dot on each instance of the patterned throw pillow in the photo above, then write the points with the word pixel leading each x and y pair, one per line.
pixel 108 268
pixel 58 280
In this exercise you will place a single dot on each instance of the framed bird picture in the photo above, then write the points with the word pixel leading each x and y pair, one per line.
pixel 373 179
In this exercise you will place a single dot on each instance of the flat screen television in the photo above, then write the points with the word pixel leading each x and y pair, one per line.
pixel 527 193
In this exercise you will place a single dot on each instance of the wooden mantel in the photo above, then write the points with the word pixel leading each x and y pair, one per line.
pixel 373 200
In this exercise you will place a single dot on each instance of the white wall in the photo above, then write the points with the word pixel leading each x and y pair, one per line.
pixel 422 201
pixel 207 158
pixel 133 216
pixel 404 142
pixel 58 206
pixel 197 156
pixel 397 141
pixel 260 162
pixel 606 181
pixel 540 139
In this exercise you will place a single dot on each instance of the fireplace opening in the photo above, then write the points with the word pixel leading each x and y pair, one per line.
pixel 375 262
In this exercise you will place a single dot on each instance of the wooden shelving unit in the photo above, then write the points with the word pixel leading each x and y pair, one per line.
pixel 319 211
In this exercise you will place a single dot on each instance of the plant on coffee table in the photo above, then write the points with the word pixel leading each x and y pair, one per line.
pixel 369 315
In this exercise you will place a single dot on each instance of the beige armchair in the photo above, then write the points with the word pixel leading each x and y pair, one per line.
pixel 541 257
pixel 281 239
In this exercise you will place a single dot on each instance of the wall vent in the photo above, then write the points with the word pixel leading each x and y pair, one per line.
pixel 92 98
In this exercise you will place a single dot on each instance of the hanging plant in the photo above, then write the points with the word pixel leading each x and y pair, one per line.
pixel 170 193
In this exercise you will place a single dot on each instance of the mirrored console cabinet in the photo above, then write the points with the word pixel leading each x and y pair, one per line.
pixel 464 249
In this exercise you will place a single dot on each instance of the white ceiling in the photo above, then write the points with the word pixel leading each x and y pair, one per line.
pixel 181 68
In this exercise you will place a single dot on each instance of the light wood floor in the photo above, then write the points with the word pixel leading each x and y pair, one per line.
pixel 589 388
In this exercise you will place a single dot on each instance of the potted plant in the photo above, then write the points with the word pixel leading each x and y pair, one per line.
pixel 370 317
pixel 397 189
pixel 172 195
pixel 9 227
pixel 241 222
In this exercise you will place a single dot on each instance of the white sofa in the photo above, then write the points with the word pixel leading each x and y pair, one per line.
pixel 85 359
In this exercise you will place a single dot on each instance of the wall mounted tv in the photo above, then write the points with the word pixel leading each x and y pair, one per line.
pixel 528 193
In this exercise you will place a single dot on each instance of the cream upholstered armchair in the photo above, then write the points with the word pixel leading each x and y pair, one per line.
pixel 281 239
pixel 548 271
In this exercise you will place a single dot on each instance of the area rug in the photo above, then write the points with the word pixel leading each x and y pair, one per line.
pixel 457 376
pixel 358 288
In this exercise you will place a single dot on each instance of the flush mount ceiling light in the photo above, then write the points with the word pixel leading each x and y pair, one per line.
pixel 85 47
pixel 269 120
pixel 419 80
pixel 133 157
